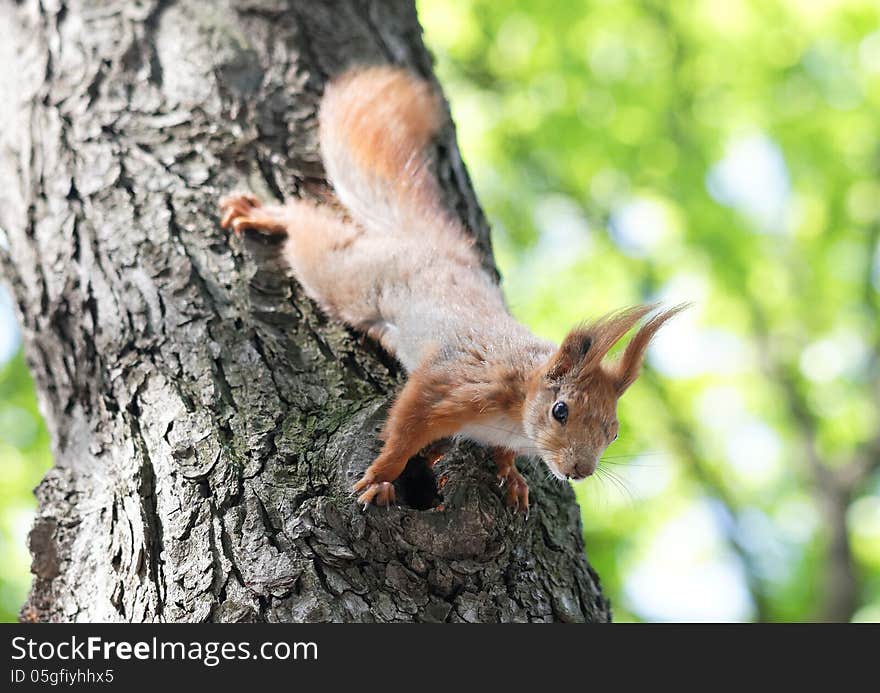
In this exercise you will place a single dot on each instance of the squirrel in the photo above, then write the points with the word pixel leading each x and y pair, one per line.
pixel 396 265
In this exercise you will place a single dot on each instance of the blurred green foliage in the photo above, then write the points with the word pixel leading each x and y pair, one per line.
pixel 725 153
pixel 24 458
pixel 721 152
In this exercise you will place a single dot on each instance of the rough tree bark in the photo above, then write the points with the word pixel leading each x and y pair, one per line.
pixel 207 422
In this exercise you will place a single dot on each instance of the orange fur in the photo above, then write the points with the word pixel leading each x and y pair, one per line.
pixel 359 120
pixel 627 369
pixel 586 346
pixel 382 120
pixel 392 263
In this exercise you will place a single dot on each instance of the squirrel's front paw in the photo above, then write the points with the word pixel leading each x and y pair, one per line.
pixel 517 494
pixel 378 492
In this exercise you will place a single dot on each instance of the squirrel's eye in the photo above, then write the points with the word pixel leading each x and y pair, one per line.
pixel 560 412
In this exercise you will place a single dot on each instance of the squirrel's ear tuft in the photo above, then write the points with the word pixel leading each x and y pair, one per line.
pixel 585 346
pixel 571 353
pixel 627 369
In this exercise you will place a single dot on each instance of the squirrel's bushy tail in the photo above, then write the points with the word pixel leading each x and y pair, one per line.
pixel 375 127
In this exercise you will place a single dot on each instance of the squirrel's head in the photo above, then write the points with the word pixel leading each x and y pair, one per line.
pixel 570 411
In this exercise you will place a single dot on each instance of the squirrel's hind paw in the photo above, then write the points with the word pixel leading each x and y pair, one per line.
pixel 244 212
pixel 235 206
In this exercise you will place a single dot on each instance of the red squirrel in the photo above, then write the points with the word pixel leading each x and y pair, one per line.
pixel 396 265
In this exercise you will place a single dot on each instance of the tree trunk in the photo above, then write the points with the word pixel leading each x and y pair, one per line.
pixel 207 421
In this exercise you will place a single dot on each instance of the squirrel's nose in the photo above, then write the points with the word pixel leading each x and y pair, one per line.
pixel 583 469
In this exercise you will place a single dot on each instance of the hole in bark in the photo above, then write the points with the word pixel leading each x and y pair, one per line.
pixel 418 485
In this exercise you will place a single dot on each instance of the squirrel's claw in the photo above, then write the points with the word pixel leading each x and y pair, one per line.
pixel 243 212
pixel 378 492
pixel 517 494
pixel 236 206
